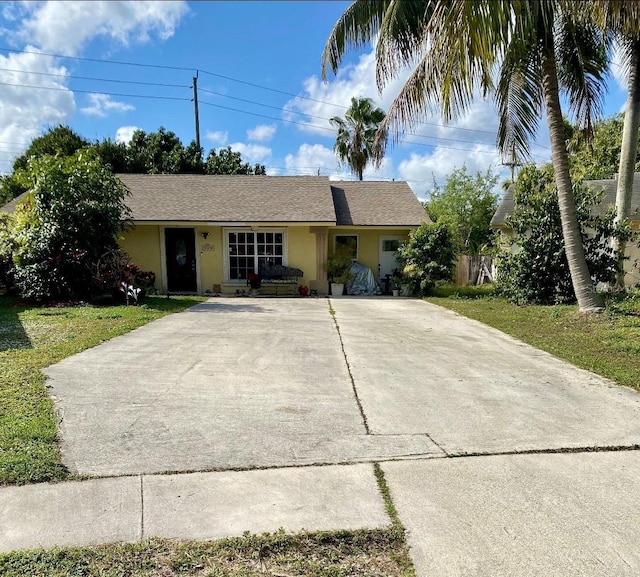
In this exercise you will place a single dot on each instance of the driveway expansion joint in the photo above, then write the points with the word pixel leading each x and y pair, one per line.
pixel 332 312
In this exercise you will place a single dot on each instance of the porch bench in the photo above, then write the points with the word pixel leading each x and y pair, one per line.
pixel 279 279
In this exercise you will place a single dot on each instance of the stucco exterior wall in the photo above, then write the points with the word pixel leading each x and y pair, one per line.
pixel 142 244
pixel 368 242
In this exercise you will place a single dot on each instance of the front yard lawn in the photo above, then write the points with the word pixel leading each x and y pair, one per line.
pixel 32 338
pixel 607 344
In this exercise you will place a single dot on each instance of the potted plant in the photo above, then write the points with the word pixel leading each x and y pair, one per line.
pixel 337 267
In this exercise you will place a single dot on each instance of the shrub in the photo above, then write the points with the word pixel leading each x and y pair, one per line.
pixel 71 216
pixel 427 256
pixel 536 269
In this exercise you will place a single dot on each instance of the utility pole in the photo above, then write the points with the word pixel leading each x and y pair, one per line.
pixel 195 107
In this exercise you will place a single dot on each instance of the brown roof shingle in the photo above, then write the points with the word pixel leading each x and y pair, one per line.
pixel 240 198
pixel 236 198
pixel 376 203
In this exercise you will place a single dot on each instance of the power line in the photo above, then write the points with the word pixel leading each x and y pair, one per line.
pixel 224 77
pixel 154 96
pixel 74 77
pixel 103 60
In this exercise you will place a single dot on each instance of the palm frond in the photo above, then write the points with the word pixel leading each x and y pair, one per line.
pixel 582 52
pixel 356 27
pixel 519 98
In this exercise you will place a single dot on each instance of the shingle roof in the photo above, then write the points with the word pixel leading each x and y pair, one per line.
pixel 373 203
pixel 236 198
pixel 240 198
pixel 609 199
pixel 11 205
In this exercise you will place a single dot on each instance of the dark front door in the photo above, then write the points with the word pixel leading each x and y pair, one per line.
pixel 181 260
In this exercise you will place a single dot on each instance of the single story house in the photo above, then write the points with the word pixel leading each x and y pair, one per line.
pixel 206 234
pixel 608 188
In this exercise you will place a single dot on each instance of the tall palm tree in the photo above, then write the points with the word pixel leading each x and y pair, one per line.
pixel 358 141
pixel 456 47
pixel 622 18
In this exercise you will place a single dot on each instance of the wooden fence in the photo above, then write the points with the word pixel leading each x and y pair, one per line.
pixel 470 270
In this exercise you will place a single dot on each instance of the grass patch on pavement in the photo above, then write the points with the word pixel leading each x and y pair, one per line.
pixel 379 552
pixel 32 338
pixel 607 343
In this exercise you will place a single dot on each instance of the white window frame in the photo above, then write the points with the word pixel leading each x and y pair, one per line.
pixel 225 240
pixel 356 236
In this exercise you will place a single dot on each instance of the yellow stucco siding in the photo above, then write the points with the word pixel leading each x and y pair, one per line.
pixel 210 253
pixel 368 242
pixel 142 244
pixel 302 252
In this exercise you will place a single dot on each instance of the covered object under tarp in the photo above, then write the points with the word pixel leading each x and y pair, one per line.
pixel 362 282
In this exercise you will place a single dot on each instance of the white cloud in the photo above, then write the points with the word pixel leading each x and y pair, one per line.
pixel 38 101
pixel 311 158
pixel 125 133
pixel 100 104
pixel 65 27
pixel 262 132
pixel 252 152
pixel 459 141
pixel 217 136
pixel 30 101
pixel 421 170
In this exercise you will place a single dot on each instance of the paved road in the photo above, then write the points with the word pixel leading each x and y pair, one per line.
pixel 463 417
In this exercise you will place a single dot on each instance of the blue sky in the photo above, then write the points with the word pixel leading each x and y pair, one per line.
pixel 258 66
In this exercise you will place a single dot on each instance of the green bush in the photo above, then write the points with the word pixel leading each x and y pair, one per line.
pixel 72 215
pixel 536 269
pixel 427 256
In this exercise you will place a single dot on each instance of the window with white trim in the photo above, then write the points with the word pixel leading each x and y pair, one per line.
pixel 249 251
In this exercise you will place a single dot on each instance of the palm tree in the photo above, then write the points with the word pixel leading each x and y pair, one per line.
pixel 623 19
pixel 358 141
pixel 535 46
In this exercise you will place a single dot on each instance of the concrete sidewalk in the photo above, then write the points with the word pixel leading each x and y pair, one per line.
pixel 191 506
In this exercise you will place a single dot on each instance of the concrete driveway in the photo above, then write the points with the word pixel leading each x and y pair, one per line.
pixel 501 460
pixel 239 383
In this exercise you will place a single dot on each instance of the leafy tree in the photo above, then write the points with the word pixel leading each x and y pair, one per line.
pixel 228 161
pixel 454 47
pixel 598 158
pixel 427 256
pixel 357 142
pixel 57 140
pixel 466 204
pixel 536 270
pixel 71 217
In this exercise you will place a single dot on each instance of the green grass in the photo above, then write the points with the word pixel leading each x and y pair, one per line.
pixel 345 553
pixel 607 344
pixel 32 338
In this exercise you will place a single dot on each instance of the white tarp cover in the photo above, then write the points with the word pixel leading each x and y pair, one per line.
pixel 363 282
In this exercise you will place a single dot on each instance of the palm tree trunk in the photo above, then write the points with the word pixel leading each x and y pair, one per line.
pixel 588 299
pixel 628 154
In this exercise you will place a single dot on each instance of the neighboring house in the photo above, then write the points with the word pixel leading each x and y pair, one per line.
pixel 608 188
pixel 203 234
